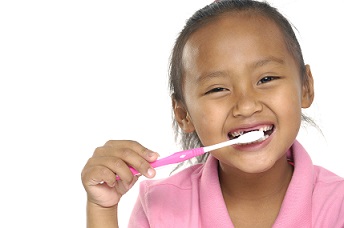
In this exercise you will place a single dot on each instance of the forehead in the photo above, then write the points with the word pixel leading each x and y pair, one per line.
pixel 238 23
pixel 239 36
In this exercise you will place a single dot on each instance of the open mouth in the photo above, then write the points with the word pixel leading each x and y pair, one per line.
pixel 267 129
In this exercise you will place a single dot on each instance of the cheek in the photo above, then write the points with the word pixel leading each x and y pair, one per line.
pixel 208 121
pixel 287 106
pixel 204 120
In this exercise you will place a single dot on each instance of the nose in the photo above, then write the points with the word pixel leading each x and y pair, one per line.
pixel 246 104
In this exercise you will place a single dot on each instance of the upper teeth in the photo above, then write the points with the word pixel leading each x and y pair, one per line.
pixel 238 133
pixel 266 128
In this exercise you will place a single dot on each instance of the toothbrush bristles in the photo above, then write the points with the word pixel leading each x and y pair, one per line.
pixel 249 137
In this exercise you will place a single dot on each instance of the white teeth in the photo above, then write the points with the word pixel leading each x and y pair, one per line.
pixel 238 133
pixel 266 128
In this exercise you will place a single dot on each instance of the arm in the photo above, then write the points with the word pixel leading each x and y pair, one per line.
pixel 100 217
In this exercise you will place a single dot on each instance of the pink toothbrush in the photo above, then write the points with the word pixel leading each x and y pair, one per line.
pixel 181 156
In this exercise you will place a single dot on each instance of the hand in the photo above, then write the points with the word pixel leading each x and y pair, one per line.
pixel 99 176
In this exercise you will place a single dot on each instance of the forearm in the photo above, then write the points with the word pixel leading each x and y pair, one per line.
pixel 99 217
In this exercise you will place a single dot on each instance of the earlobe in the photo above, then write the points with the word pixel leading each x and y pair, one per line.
pixel 308 89
pixel 182 116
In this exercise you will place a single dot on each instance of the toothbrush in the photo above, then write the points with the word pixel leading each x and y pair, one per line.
pixel 181 156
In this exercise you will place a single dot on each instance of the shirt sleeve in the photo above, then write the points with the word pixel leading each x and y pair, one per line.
pixel 138 216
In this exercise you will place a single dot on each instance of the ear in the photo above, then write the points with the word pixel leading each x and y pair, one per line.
pixel 182 116
pixel 308 89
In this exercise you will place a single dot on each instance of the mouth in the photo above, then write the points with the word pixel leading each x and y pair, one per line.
pixel 267 129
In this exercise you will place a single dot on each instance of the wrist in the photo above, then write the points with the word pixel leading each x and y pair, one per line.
pixel 98 216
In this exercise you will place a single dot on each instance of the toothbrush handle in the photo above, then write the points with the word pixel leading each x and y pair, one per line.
pixel 175 158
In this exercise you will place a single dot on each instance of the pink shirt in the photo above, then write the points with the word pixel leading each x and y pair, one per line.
pixel 193 198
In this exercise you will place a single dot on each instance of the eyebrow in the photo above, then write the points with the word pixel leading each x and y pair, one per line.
pixel 216 74
pixel 257 64
pixel 265 61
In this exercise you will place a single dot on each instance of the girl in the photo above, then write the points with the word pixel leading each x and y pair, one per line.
pixel 235 67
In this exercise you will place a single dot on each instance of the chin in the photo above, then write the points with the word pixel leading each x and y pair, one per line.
pixel 256 168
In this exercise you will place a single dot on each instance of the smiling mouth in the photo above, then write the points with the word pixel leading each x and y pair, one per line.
pixel 267 129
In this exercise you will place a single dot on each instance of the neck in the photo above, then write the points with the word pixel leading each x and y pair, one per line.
pixel 255 187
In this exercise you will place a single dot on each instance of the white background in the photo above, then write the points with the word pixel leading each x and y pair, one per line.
pixel 74 74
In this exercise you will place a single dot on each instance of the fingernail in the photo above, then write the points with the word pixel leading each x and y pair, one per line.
pixel 151 154
pixel 150 172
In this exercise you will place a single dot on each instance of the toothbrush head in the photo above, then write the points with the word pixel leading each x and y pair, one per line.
pixel 249 137
pixel 246 138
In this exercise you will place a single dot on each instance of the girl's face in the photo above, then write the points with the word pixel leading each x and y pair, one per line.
pixel 239 77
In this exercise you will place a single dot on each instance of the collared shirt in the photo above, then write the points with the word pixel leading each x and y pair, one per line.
pixel 193 198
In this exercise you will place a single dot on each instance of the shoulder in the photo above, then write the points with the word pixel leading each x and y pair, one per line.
pixel 324 175
pixel 327 182
pixel 169 198
pixel 328 197
pixel 160 201
pixel 182 180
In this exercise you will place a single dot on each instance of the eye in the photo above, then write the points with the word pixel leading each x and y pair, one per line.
pixel 216 90
pixel 267 79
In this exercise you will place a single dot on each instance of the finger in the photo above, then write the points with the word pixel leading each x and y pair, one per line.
pixel 122 187
pixel 94 175
pixel 149 155
pixel 100 167
pixel 137 162
pixel 132 158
